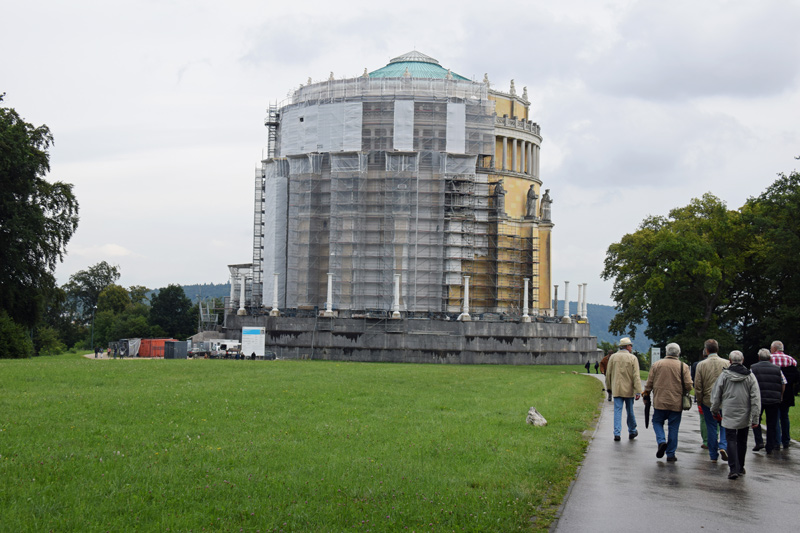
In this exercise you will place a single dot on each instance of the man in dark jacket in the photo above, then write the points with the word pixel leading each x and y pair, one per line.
pixel 771 383
pixel 788 366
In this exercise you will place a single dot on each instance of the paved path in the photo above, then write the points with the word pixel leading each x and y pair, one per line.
pixel 622 487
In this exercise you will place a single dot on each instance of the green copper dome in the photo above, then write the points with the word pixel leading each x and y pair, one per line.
pixel 414 65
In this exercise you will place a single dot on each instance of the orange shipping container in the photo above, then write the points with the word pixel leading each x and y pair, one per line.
pixel 153 347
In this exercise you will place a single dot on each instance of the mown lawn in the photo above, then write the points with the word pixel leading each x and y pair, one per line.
pixel 218 445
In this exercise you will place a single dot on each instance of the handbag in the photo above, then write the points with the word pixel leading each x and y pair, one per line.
pixel 687 400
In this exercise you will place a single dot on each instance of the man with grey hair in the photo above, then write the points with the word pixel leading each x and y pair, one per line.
pixel 708 370
pixel 771 383
pixel 788 366
pixel 669 380
pixel 736 396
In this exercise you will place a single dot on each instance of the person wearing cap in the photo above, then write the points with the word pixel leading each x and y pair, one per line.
pixel 708 370
pixel 623 378
pixel 736 399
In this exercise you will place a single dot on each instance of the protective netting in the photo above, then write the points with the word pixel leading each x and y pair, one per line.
pixel 377 177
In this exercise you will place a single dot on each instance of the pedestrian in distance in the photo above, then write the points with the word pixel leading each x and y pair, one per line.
pixel 588 366
pixel 603 367
pixel 736 403
pixel 703 429
pixel 788 366
pixel 707 373
pixel 771 383
pixel 668 381
pixel 596 367
pixel 626 382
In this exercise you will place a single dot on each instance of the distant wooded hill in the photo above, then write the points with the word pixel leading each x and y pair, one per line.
pixel 599 315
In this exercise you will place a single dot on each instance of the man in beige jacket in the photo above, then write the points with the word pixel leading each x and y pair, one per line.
pixel 622 374
pixel 708 370
pixel 669 379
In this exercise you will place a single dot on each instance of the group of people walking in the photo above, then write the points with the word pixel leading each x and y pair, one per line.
pixel 730 397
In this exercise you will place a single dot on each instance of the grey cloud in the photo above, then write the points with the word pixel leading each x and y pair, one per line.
pixel 612 143
pixel 679 50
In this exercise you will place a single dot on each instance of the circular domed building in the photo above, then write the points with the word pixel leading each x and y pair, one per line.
pixel 410 192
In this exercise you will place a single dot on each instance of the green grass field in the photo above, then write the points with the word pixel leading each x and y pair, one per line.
pixel 220 445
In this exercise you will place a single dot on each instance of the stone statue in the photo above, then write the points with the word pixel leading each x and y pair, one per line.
pixel 513 88
pixel 500 198
pixel 531 204
pixel 486 79
pixel 546 201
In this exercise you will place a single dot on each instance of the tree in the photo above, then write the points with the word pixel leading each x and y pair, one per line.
pixel 677 273
pixel 37 218
pixel 767 294
pixel 170 310
pixel 138 294
pixel 84 288
pixel 113 298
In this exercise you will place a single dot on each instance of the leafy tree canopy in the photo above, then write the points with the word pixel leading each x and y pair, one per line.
pixel 37 218
pixel 171 310
pixel 706 271
pixel 84 287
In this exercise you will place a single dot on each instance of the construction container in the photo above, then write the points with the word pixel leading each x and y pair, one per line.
pixel 153 347
pixel 175 349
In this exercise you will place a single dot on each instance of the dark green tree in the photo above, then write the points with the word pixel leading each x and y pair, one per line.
pixel 84 288
pixel 113 298
pixel 37 218
pixel 767 292
pixel 170 310
pixel 677 273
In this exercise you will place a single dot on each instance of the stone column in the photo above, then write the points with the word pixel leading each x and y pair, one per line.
pixel 555 300
pixel 514 155
pixel 243 281
pixel 275 311
pixel 579 302
pixel 566 319
pixel 329 303
pixel 396 303
pixel 505 153
pixel 525 317
pixel 464 316
pixel 585 303
pixel 232 299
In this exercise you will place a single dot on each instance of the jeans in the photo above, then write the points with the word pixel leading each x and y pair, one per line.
pixel 673 419
pixel 618 403
pixel 772 419
pixel 715 431
pixel 782 427
pixel 737 448
pixel 703 430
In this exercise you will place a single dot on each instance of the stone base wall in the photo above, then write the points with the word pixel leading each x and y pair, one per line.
pixel 423 340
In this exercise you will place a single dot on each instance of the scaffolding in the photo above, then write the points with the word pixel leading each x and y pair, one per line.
pixel 369 178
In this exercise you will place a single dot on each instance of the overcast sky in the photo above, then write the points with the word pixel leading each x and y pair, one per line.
pixel 157 108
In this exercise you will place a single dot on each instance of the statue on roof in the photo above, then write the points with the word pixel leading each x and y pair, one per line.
pixel 513 90
pixel 499 198
pixel 530 206
pixel 546 201
pixel 525 93
pixel 486 79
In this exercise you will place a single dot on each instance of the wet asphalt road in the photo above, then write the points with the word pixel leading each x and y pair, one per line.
pixel 621 486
